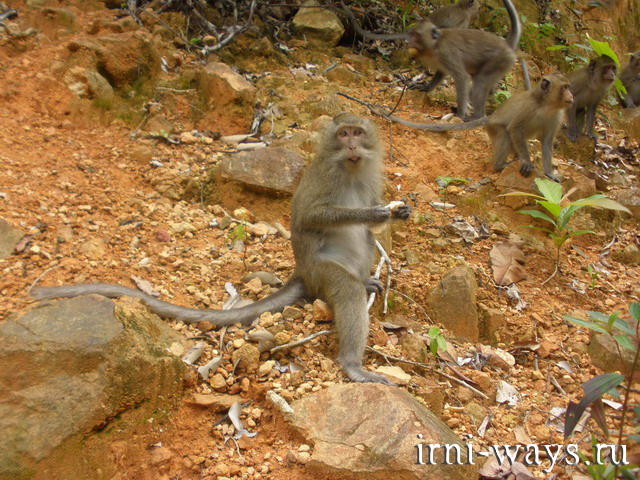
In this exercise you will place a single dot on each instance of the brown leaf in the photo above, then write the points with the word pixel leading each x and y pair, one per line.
pixel 23 243
pixel 507 263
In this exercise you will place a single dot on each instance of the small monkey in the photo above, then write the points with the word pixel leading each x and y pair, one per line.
pixel 536 113
pixel 630 78
pixel 588 85
pixel 475 59
pixel 338 199
pixel 456 15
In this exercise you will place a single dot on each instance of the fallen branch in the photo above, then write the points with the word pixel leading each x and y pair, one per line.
pixel 301 341
pixel 234 31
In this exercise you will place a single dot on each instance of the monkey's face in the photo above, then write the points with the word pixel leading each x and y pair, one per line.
pixel 351 140
pixel 608 72
pixel 566 97
pixel 423 38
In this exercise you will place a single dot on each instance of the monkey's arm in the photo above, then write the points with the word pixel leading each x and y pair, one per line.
pixel 590 120
pixel 519 142
pixel 331 215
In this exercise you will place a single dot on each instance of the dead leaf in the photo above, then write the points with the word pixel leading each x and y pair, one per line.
pixel 23 243
pixel 145 286
pixel 507 263
pixel 521 435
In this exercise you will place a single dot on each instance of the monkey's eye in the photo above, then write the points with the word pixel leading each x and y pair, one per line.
pixel 357 132
pixel 342 133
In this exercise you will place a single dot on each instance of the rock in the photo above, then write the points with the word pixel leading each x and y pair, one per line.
pixel 122 58
pixel 413 348
pixel 452 302
pixel 266 278
pixel 585 186
pixel 63 234
pixel 249 357
pixel 321 311
pixel 218 402
pixel 356 434
pixel 510 180
pixel 142 155
pixel 344 76
pixel 491 320
pixel 276 169
pixel 9 238
pixel 94 249
pixel 630 198
pixel 411 257
pixel 395 374
pixel 320 26
pixel 629 255
pixel 604 354
pixel 220 86
pixel 70 366
pixel 87 83
pixel 265 368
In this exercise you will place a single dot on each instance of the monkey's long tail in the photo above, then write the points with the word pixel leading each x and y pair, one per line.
pixel 292 291
pixel 516 28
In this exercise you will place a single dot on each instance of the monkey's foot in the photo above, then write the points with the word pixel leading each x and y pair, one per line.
pixel 373 285
pixel 572 136
pixel 526 168
pixel 593 136
pixel 553 177
pixel 360 375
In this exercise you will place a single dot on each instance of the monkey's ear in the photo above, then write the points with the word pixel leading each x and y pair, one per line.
pixel 592 66
pixel 436 33
pixel 545 85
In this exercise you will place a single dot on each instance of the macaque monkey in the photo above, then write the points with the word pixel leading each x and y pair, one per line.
pixel 475 59
pixel 536 113
pixel 588 85
pixel 338 199
pixel 455 15
pixel 630 78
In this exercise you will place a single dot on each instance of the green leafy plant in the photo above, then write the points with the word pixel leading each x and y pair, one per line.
pixel 437 342
pixel 593 274
pixel 560 211
pixel 626 336
pixel 603 48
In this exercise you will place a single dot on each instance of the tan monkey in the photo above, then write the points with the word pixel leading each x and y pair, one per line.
pixel 588 85
pixel 536 113
pixel 630 78
pixel 475 59
pixel 338 199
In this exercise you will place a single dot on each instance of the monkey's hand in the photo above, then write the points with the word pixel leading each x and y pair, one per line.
pixel 572 135
pixel 526 167
pixel 373 285
pixel 380 213
pixel 403 212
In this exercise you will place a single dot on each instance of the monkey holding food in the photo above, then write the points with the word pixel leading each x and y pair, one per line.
pixel 338 199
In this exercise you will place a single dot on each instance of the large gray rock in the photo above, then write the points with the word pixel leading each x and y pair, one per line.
pixel 9 238
pixel 603 351
pixel 320 26
pixel 371 431
pixel 275 169
pixel 68 367
pixel 452 302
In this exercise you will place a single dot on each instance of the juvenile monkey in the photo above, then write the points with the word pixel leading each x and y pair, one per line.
pixel 630 78
pixel 588 85
pixel 475 59
pixel 536 113
pixel 338 199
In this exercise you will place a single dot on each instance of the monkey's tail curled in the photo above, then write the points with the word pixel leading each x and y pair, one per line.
pixel 516 27
pixel 292 291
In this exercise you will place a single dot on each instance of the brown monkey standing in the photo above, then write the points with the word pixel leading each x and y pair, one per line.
pixel 536 113
pixel 475 59
pixel 630 78
pixel 588 85
pixel 338 199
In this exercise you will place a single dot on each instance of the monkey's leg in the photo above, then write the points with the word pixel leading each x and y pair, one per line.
pixel 590 118
pixel 547 149
pixel 519 143
pixel 572 124
pixel 501 147
pixel 463 82
pixel 483 82
pixel 347 297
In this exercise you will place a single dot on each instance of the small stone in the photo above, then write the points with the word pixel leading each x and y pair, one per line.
pixel 282 338
pixel 266 368
pixel 395 374
pixel 321 311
